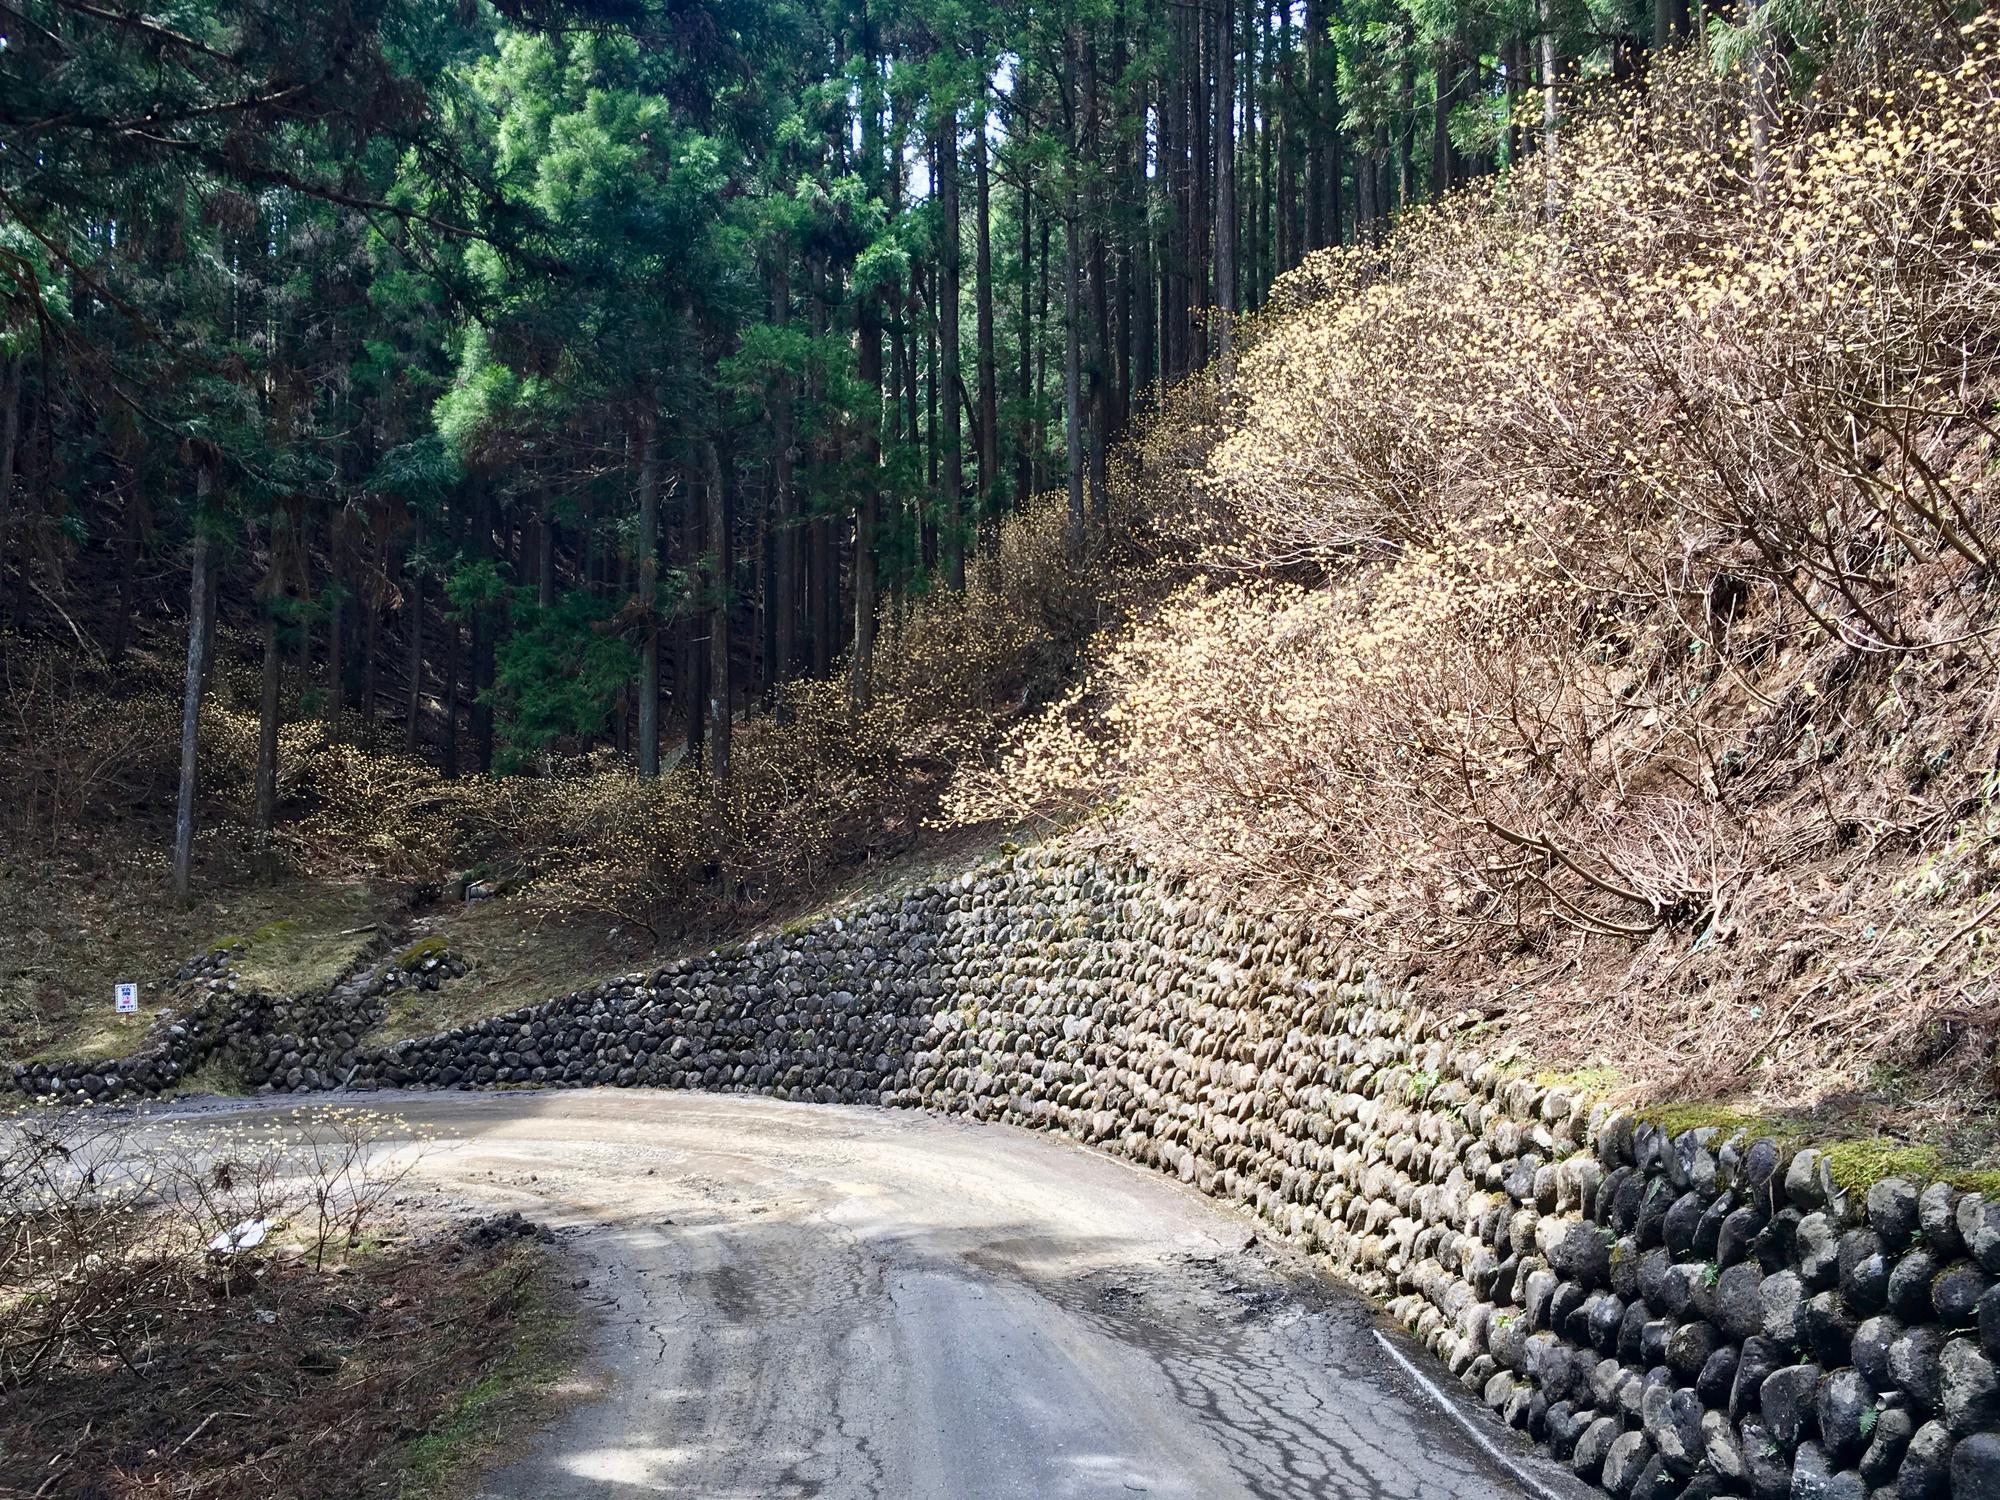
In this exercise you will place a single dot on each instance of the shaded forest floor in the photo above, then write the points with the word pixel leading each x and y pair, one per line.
pixel 74 926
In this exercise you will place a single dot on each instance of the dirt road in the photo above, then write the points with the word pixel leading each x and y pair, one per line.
pixel 811 1301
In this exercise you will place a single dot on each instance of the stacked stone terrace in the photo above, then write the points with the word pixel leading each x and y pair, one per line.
pixel 1682 1318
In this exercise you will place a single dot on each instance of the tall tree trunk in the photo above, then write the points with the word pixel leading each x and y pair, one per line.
pixel 1073 376
pixel 1364 198
pixel 784 526
pixel 764 567
pixel 822 564
pixel 690 624
pixel 267 722
pixel 989 380
pixel 1406 131
pixel 545 550
pixel 624 731
pixel 208 632
pixel 1379 176
pixel 128 567
pixel 948 337
pixel 454 670
pixel 1447 170
pixel 1145 321
pixel 1117 233
pixel 413 710
pixel 1514 68
pixel 197 675
pixel 891 311
pixel 1072 331
pixel 1670 23
pixel 929 523
pixel 720 539
pixel 1550 107
pixel 1332 169
pixel 1041 433
pixel 302 664
pixel 1440 122
pixel 1267 182
pixel 11 378
pixel 869 364
pixel 1024 457
pixel 1290 231
pixel 1118 254
pixel 1225 184
pixel 1249 244
pixel 823 583
pixel 1320 127
pixel 1201 183
pixel 482 639
pixel 646 571
pixel 1100 312
pixel 371 629
pixel 1171 172
pixel 908 339
pixel 336 625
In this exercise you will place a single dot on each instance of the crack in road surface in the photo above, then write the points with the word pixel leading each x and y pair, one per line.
pixel 811 1302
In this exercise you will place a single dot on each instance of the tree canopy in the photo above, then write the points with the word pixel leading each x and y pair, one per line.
pixel 541 376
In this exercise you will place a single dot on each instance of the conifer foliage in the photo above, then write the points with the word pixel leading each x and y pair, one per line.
pixel 518 384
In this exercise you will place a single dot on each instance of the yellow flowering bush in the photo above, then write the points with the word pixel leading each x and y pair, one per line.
pixel 1597 594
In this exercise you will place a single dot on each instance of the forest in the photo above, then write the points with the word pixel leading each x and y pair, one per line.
pixel 720 621
pixel 1513 482
pixel 535 381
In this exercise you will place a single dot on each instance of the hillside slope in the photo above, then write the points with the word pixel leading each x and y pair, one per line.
pixel 1605 602
pixel 1587 592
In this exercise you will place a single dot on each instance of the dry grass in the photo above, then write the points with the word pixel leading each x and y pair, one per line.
pixel 523 957
pixel 308 951
pixel 379 1381
pixel 73 925
pixel 334 1353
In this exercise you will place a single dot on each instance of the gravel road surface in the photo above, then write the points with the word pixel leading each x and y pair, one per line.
pixel 816 1301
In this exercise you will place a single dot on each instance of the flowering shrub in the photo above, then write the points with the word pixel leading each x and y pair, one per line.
pixel 1599 588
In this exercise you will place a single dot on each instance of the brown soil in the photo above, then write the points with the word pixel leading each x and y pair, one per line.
pixel 72 927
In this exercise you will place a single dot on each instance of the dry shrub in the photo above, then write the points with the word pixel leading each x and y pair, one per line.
pixel 68 744
pixel 1605 596
pixel 107 1227
pixel 135 1360
pixel 817 782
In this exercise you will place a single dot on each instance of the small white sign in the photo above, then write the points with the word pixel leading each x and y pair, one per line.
pixel 128 999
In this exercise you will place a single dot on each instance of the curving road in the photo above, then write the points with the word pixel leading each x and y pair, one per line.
pixel 812 1301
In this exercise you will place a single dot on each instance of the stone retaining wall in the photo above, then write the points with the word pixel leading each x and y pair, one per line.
pixel 1691 1317
pixel 1696 1317
pixel 202 998
pixel 266 1043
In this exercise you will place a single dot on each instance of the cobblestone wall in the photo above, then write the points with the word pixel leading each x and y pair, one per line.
pixel 1695 1316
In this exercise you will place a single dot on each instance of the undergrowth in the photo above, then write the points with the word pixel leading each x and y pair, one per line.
pixel 329 1349
pixel 1600 601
